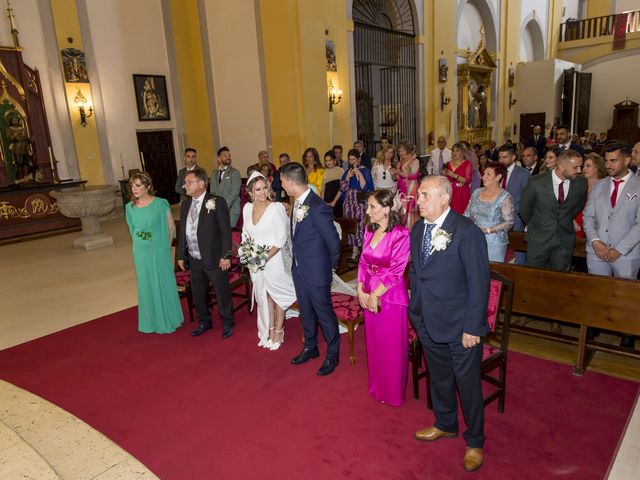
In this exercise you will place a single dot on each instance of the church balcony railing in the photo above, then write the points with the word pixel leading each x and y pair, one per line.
pixel 598 26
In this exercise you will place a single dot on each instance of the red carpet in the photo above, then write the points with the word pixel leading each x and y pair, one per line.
pixel 204 408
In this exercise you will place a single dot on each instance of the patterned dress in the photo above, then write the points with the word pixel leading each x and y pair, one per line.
pixel 352 207
pixel 498 215
pixel 408 187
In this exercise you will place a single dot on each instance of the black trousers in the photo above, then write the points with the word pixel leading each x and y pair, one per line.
pixel 554 256
pixel 200 278
pixel 315 307
pixel 450 366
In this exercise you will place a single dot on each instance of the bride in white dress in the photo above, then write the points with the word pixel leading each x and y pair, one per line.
pixel 267 223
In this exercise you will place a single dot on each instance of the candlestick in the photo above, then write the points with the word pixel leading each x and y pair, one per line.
pixel 122 166
pixel 52 165
pixel 144 169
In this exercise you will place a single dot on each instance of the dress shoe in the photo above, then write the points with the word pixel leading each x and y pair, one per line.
pixel 473 458
pixel 628 341
pixel 431 434
pixel 305 354
pixel 328 366
pixel 227 331
pixel 203 327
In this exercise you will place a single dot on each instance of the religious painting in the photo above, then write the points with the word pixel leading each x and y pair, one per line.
pixel 330 49
pixel 151 97
pixel 74 66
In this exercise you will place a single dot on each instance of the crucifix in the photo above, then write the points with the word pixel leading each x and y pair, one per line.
pixel 14 31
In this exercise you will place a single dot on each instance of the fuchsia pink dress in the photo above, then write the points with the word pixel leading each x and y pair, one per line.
pixel 386 331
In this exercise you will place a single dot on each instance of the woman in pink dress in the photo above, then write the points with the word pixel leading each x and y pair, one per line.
pixel 408 174
pixel 382 293
pixel 459 172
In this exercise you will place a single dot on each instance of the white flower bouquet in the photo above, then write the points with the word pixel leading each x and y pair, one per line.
pixel 440 241
pixel 252 255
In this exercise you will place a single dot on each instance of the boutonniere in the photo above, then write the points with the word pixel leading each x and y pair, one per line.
pixel 210 205
pixel 632 196
pixel 440 241
pixel 302 212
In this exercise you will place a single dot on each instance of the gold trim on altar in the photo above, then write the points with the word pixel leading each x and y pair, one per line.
pixel 36 205
pixel 474 94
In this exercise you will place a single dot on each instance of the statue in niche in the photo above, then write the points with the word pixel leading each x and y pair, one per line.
pixel 21 146
pixel 478 114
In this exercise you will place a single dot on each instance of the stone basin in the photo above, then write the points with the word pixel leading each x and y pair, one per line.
pixel 88 204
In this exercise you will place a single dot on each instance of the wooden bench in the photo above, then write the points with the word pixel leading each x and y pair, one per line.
pixel 579 298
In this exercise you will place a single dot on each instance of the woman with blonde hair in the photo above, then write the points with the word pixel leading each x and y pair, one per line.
pixel 152 230
pixel 383 170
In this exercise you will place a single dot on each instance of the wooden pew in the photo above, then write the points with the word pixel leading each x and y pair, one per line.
pixel 518 243
pixel 579 298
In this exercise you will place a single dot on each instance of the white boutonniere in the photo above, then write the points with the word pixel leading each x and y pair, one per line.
pixel 210 205
pixel 302 212
pixel 440 241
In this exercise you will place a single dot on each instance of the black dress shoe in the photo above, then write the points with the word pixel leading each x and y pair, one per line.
pixel 305 354
pixel 227 332
pixel 203 327
pixel 328 366
pixel 628 341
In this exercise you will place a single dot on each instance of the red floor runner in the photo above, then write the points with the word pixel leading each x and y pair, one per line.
pixel 204 408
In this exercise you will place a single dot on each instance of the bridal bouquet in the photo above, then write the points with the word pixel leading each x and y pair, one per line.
pixel 252 255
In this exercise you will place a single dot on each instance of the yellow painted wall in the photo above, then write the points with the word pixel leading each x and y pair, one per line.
pixel 509 56
pixel 65 18
pixel 185 22
pixel 293 37
pixel 598 8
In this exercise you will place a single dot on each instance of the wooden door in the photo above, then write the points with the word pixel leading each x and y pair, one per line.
pixel 160 162
pixel 528 121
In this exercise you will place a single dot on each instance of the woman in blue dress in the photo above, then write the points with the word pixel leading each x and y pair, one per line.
pixel 152 229
pixel 491 209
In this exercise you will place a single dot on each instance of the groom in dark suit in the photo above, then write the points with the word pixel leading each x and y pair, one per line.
pixel 205 242
pixel 316 251
pixel 449 277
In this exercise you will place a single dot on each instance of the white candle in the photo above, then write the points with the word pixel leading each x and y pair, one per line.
pixel 52 164
pixel 142 162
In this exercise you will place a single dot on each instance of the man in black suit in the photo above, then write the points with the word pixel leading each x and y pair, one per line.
pixel 530 160
pixel 316 251
pixel 564 140
pixel 548 206
pixel 276 185
pixel 365 159
pixel 492 153
pixel 190 162
pixel 205 243
pixel 449 277
pixel 537 141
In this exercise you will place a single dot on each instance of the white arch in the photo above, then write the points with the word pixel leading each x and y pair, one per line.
pixel 532 45
pixel 489 20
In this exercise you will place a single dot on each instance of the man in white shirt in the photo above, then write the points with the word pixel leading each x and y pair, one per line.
pixel 439 157
pixel 191 164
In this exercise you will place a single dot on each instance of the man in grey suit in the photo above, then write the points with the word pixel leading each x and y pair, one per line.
pixel 226 183
pixel 548 206
pixel 514 183
pixel 612 220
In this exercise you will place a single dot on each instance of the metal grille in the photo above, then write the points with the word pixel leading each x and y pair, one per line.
pixel 385 84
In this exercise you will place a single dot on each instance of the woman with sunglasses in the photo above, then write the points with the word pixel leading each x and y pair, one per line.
pixel 383 171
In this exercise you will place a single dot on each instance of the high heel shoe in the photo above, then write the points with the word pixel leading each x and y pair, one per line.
pixel 268 343
pixel 276 345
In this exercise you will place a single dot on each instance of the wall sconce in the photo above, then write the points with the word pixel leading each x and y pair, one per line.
pixel 335 96
pixel 443 99
pixel 81 101
pixel 512 101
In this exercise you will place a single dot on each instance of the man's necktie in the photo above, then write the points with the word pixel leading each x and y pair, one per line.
pixel 193 211
pixel 220 175
pixel 504 181
pixel 426 242
pixel 614 194
pixel 561 192
pixel 440 162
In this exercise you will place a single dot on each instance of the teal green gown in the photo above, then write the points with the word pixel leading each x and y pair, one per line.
pixel 159 309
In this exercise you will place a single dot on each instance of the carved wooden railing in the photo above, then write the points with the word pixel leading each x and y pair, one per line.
pixel 597 26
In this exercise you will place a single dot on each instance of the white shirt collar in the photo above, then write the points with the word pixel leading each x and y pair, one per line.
pixel 556 179
pixel 303 197
pixel 192 168
pixel 625 178
pixel 510 169
pixel 440 220
pixel 200 198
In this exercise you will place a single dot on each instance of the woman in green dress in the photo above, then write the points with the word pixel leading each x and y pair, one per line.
pixel 152 230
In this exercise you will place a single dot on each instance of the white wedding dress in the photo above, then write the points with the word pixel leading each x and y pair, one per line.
pixel 273 230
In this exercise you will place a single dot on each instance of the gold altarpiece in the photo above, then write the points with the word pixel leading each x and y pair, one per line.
pixel 474 95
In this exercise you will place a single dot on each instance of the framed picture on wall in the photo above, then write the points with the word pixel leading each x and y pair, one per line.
pixel 151 97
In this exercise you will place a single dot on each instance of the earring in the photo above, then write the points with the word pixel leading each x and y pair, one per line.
pixel 386 215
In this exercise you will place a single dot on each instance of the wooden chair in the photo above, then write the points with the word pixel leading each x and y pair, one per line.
pixel 348 226
pixel 494 355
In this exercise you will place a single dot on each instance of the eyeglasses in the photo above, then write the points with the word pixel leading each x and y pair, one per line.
pixel 189 182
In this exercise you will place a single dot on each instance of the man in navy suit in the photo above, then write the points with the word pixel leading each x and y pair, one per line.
pixel 316 251
pixel 516 179
pixel 492 153
pixel 449 276
pixel 537 141
pixel 564 140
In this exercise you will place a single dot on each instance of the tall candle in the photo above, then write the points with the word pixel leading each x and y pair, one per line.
pixel 52 164
pixel 144 169
pixel 122 165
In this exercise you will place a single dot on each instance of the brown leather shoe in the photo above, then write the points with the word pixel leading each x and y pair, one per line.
pixel 431 434
pixel 473 458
